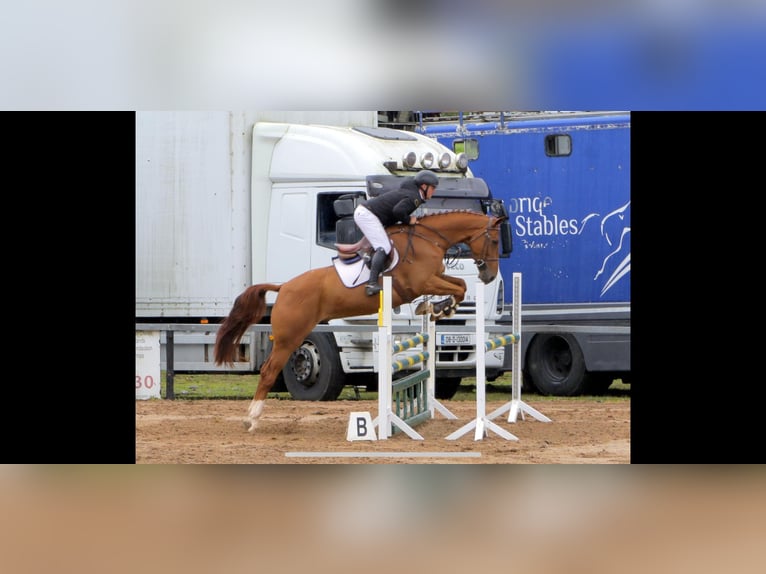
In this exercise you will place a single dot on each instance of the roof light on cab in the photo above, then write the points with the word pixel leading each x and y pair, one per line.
pixel 461 161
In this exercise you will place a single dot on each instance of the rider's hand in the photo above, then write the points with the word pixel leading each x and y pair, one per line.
pixel 413 220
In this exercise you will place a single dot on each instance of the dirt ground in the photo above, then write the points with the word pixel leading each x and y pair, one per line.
pixel 298 432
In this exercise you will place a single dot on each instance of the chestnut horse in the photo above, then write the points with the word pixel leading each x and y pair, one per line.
pixel 319 295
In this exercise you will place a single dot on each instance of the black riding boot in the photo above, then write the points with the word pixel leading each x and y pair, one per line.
pixel 376 266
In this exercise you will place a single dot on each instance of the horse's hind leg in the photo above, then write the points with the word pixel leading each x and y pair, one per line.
pixel 269 372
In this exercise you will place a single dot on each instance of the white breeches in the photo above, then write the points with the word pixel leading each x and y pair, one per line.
pixel 372 228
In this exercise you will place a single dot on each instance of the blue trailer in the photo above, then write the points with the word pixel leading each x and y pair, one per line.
pixel 565 180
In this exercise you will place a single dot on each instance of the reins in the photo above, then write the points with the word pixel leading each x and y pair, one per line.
pixel 481 262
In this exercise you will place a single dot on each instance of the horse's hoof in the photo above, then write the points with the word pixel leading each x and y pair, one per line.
pixel 248 425
pixel 422 308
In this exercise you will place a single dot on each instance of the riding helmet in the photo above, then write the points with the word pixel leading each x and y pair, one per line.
pixel 426 176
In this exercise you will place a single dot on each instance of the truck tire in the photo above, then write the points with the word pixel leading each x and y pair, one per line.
pixel 446 387
pixel 313 372
pixel 279 385
pixel 556 365
pixel 526 382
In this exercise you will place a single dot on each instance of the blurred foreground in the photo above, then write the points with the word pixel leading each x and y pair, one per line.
pixel 344 54
pixel 379 519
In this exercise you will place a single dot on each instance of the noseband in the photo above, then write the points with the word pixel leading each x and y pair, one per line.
pixel 481 263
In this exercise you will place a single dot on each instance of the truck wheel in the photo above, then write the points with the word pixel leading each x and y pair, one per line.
pixel 556 365
pixel 446 387
pixel 313 372
pixel 526 382
pixel 279 385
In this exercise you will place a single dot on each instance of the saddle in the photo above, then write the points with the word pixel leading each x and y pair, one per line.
pixel 353 262
pixel 349 253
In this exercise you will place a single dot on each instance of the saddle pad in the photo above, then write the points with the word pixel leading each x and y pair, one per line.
pixel 357 273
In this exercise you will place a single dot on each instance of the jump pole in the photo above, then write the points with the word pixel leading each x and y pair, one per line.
pixel 516 405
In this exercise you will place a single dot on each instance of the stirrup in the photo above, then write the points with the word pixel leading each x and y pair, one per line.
pixel 372 289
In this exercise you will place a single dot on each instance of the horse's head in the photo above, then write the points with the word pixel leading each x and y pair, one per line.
pixel 485 236
pixel 485 243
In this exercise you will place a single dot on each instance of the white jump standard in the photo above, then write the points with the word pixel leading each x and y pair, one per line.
pixel 483 422
pixel 412 394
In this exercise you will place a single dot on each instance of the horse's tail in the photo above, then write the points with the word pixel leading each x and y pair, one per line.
pixel 249 307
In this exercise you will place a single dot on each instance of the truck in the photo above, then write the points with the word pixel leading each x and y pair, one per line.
pixel 565 181
pixel 225 200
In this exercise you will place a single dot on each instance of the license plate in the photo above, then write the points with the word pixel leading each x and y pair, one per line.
pixel 457 339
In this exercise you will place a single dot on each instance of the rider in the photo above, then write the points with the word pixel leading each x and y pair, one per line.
pixel 396 206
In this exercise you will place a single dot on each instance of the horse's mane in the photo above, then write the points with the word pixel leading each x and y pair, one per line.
pixel 450 211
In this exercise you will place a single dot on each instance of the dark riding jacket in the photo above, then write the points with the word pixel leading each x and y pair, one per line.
pixel 396 205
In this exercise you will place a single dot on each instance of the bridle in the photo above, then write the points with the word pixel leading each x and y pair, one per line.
pixel 489 241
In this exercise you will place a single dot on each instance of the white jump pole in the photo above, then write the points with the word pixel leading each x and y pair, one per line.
pixel 516 405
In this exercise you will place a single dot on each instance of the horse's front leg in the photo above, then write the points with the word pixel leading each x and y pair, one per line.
pixel 453 287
